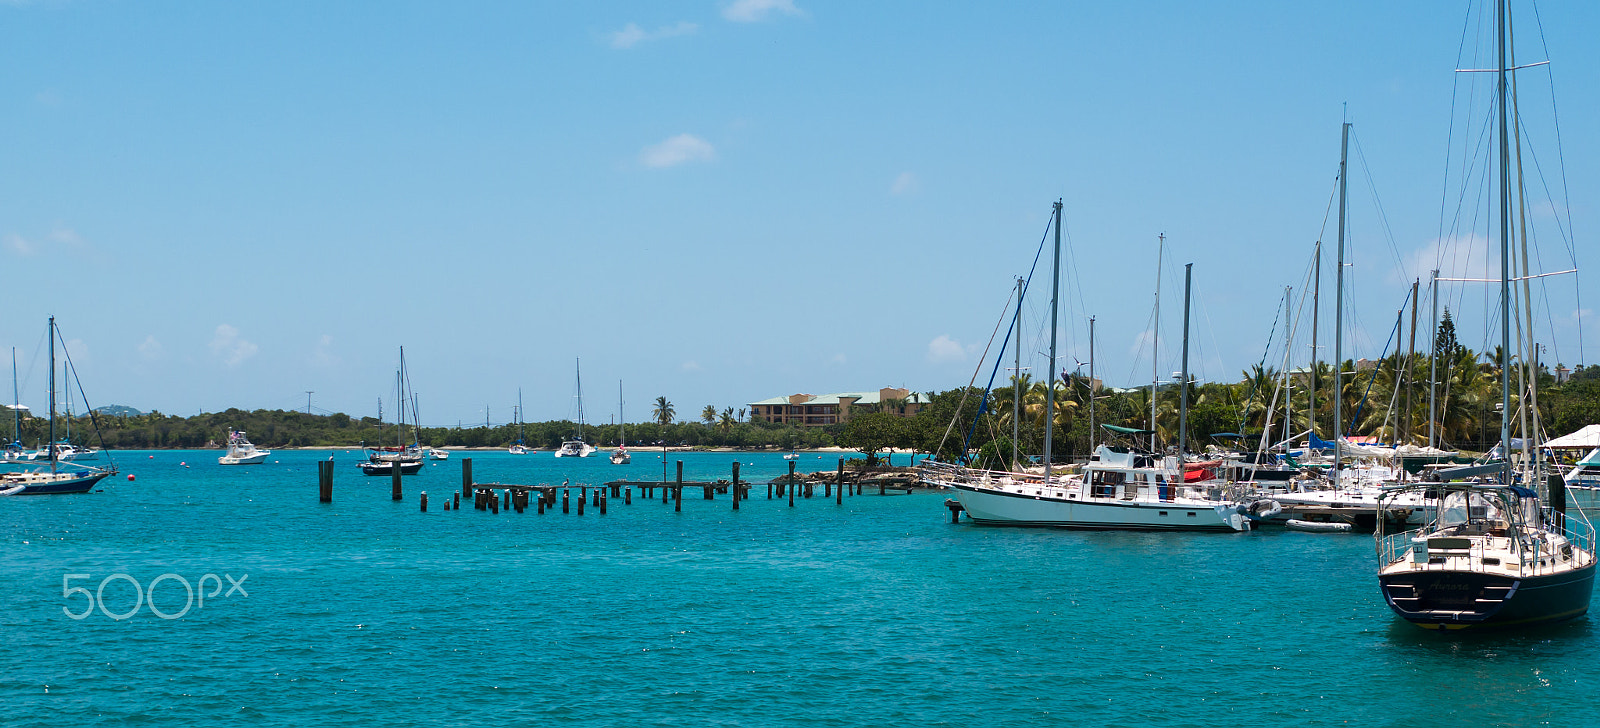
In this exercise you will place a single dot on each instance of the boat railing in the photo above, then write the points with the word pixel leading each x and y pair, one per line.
pixel 948 473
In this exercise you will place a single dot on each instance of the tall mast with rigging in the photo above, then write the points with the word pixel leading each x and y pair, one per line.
pixel 1050 378
pixel 1338 309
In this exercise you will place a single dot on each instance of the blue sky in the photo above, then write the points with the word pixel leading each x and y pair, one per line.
pixel 228 204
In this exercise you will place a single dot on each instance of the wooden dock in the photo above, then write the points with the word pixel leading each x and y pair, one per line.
pixel 518 497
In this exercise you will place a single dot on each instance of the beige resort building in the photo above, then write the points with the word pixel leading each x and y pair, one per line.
pixel 820 410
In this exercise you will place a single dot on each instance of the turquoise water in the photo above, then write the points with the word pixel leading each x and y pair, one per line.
pixel 877 612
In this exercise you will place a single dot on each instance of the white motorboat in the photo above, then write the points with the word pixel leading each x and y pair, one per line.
pixel 241 451
pixel 438 454
pixel 575 449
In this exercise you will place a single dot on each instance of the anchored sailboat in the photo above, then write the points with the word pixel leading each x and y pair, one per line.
pixel 408 458
pixel 576 447
pixel 620 455
pixel 1119 489
pixel 56 477
pixel 1496 553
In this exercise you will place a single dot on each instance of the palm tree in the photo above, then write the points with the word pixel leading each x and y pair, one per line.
pixel 709 414
pixel 664 412
pixel 727 420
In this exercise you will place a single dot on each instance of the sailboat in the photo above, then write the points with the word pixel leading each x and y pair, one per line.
pixel 56 477
pixel 14 450
pixel 408 458
pixel 517 448
pixel 1496 554
pixel 1119 489
pixel 576 447
pixel 620 455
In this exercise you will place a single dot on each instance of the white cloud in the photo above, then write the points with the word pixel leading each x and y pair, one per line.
pixel 691 366
pixel 323 355
pixel 228 345
pixel 60 238
pixel 77 351
pixel 20 245
pixel 1580 314
pixel 904 184
pixel 677 150
pixel 838 358
pixel 1141 342
pixel 150 349
pixel 943 349
pixel 755 11
pixel 1469 256
pixel 632 35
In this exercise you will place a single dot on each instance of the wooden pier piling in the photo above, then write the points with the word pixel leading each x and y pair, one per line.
pixel 604 497
pixel 466 476
pixel 494 502
pixel 394 474
pixel 565 494
pixel 456 502
pixel 841 472
pixel 736 485
pixel 325 481
pixel 541 504
pixel 627 496
pixel 955 509
pixel 677 492
pixel 424 501
pixel 581 500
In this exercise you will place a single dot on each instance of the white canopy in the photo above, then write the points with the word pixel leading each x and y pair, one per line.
pixel 1586 438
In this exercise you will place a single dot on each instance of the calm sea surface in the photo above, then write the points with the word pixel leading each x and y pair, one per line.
pixel 878 612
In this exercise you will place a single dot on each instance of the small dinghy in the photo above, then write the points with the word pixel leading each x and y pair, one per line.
pixel 12 489
pixel 1328 526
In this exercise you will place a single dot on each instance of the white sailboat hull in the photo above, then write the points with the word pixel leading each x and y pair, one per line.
pixel 997 507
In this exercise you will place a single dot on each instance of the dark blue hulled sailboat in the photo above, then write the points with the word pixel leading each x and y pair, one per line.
pixel 56 477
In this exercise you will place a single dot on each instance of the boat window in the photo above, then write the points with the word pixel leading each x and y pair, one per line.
pixel 1453 512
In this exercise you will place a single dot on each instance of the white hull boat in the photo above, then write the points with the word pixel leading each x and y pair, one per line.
pixel 1117 492
pixel 241 451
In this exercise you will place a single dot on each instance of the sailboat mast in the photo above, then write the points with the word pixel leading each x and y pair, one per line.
pixel 1411 354
pixel 1050 378
pixel 1183 386
pixel 1288 361
pixel 1433 358
pixel 1316 311
pixel 1505 251
pixel 1016 383
pixel 52 446
pixel 579 364
pixel 1530 352
pixel 622 422
pixel 1155 343
pixel 1092 431
pixel 1338 309
pixel 16 400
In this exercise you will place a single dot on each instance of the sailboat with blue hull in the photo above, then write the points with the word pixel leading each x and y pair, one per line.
pixel 1495 554
pixel 57 477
